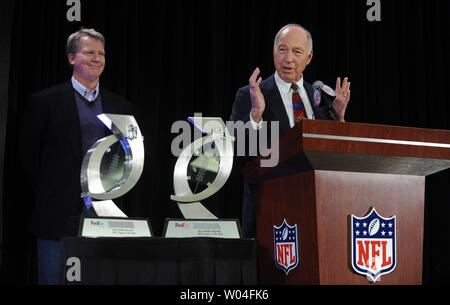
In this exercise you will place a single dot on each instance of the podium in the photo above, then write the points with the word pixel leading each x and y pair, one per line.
pixel 328 171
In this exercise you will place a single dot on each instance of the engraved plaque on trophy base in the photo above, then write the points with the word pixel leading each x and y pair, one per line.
pixel 114 227
pixel 214 228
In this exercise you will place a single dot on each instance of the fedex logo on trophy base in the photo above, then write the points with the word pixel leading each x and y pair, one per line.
pixel 285 246
pixel 373 242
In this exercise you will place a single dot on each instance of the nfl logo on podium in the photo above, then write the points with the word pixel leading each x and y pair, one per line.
pixel 373 243
pixel 286 246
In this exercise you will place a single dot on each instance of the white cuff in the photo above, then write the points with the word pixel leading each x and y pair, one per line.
pixel 256 126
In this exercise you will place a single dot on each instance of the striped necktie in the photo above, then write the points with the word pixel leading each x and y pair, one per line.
pixel 297 105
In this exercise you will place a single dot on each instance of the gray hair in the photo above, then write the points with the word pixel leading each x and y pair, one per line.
pixel 308 35
pixel 73 40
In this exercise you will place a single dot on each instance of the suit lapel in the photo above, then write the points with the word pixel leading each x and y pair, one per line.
pixel 69 111
pixel 310 93
pixel 107 106
pixel 320 112
pixel 110 104
pixel 275 103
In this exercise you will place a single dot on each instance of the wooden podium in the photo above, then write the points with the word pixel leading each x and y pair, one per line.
pixel 328 171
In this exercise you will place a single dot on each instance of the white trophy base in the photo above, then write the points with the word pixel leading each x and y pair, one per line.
pixel 213 228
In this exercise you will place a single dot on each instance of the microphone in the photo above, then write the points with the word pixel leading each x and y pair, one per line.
pixel 328 97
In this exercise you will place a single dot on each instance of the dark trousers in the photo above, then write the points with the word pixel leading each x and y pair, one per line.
pixel 50 259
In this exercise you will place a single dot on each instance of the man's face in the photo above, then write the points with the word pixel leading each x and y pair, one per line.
pixel 291 55
pixel 89 61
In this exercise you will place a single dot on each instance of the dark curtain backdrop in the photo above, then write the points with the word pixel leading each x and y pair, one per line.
pixel 174 58
pixel 5 38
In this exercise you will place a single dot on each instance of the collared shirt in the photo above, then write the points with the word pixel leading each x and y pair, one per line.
pixel 89 95
pixel 286 95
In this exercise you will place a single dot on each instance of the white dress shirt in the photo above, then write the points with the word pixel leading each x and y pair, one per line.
pixel 286 95
pixel 88 94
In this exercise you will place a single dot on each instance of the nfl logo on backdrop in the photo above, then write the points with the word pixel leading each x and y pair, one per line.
pixel 373 245
pixel 286 246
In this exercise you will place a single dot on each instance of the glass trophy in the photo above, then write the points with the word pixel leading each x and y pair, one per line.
pixel 200 171
pixel 110 168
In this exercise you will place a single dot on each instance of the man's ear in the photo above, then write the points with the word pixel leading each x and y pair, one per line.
pixel 310 56
pixel 71 58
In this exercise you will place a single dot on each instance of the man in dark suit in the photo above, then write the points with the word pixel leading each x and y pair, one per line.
pixel 59 126
pixel 284 97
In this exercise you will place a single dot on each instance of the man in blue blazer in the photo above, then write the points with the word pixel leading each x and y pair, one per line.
pixel 59 126
pixel 271 99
